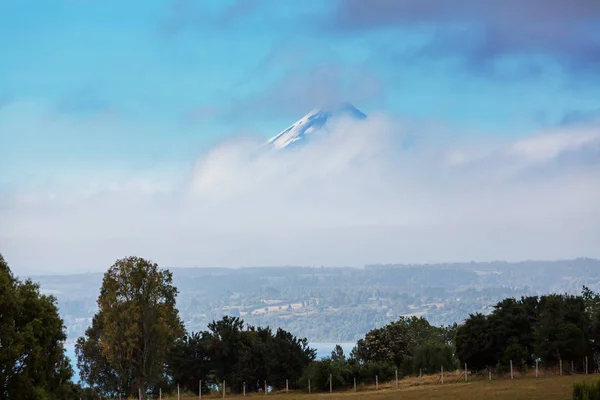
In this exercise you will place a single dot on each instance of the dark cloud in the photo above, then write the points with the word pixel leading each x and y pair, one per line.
pixel 568 30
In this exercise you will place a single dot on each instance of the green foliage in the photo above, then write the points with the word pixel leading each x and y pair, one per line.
pixel 337 355
pixel 474 342
pixel 133 331
pixel 189 361
pixel 519 356
pixel 32 361
pixel 430 356
pixel 562 328
pixel 551 328
pixel 230 352
pixel 410 343
pixel 343 373
pixel 586 391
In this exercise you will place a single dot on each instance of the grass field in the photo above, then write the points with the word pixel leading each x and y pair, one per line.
pixel 547 387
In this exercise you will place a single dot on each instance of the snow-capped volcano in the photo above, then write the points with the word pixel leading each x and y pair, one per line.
pixel 312 122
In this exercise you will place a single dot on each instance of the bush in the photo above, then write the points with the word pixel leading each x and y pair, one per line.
pixel 429 358
pixel 586 391
pixel 343 374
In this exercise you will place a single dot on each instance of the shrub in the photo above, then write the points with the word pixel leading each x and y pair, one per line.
pixel 343 374
pixel 586 391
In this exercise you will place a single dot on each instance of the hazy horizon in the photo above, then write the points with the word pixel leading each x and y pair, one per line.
pixel 41 273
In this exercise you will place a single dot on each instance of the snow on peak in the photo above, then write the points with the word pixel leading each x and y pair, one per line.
pixel 312 122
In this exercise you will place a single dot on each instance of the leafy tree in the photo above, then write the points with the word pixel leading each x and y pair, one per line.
pixel 290 355
pixel 337 355
pixel 592 306
pixel 133 331
pixel 474 342
pixel 512 324
pixel 562 328
pixel 398 342
pixel 430 356
pixel 552 328
pixel 94 366
pixel 189 361
pixel 32 361
pixel 225 338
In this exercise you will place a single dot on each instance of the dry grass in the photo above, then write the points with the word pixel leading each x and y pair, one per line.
pixel 523 387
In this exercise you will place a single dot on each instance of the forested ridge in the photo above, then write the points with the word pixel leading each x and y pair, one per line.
pixel 337 304
pixel 138 342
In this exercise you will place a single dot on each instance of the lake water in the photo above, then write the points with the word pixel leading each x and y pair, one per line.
pixel 323 350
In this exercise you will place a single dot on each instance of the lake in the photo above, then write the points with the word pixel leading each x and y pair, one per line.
pixel 323 350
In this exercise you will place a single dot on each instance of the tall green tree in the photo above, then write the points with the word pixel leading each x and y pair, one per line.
pixel 398 342
pixel 134 330
pixel 475 342
pixel 592 306
pixel 33 364
pixel 190 362
pixel 562 328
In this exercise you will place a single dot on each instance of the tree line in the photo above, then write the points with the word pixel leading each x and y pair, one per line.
pixel 137 341
pixel 552 329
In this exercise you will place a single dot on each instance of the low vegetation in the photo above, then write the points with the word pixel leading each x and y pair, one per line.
pixel 586 390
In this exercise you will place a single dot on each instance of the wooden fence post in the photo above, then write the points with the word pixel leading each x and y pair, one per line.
pixel 560 367
pixel 586 365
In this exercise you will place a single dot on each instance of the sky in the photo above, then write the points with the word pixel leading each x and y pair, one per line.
pixel 133 128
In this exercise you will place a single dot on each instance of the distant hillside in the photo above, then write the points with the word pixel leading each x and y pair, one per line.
pixel 339 304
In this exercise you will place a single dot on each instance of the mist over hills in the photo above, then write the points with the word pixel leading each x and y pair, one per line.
pixel 337 304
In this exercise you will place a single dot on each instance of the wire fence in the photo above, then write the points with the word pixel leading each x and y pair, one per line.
pixel 511 371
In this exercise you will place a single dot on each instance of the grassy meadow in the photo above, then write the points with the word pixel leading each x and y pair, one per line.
pixel 523 387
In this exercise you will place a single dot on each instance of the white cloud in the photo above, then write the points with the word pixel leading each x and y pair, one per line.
pixel 546 147
pixel 353 197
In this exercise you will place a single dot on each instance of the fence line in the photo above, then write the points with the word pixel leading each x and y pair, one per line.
pixel 541 370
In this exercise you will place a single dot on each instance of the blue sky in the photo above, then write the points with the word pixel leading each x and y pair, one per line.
pixel 111 87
